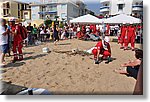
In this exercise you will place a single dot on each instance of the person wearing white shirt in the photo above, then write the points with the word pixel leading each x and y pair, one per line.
pixel 3 41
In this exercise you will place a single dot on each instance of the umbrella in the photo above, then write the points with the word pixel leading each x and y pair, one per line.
pixel 87 19
pixel 122 18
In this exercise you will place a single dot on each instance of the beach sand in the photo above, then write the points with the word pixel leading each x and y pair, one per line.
pixel 62 73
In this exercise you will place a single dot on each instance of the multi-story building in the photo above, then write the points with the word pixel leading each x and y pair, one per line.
pixel 114 7
pixel 11 8
pixel 65 9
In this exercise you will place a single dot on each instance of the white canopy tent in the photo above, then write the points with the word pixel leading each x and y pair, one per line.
pixel 122 18
pixel 88 19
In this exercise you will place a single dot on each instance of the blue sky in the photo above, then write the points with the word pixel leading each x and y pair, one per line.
pixel 93 5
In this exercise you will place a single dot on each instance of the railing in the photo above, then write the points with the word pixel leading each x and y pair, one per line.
pixel 140 6
pixel 104 7
pixel 137 7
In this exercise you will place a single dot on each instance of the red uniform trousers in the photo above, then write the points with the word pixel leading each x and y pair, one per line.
pixel 17 46
pixel 130 37
pixel 123 34
pixel 105 53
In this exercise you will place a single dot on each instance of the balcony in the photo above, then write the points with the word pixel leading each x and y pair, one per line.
pixel 104 1
pixel 137 7
pixel 47 12
pixel 104 9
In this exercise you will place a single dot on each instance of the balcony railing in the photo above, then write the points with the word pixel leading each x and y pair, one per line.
pixel 104 9
pixel 137 7
pixel 47 12
pixel 140 6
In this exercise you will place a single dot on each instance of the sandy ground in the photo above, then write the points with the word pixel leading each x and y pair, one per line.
pixel 61 73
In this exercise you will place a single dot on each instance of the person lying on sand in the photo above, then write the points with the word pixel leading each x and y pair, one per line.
pixel 102 47
pixel 132 67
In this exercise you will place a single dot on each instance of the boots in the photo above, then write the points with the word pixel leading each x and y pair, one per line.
pixel 15 59
pixel 20 57
pixel 108 60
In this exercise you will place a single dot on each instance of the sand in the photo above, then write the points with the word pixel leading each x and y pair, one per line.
pixel 61 73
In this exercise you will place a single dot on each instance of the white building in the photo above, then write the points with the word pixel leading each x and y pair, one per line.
pixel 65 9
pixel 114 7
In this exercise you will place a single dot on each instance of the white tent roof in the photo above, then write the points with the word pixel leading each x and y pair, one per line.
pixel 122 18
pixel 87 19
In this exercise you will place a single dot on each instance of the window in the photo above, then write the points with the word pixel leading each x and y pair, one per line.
pixel 106 4
pixel 63 6
pixel 18 6
pixel 136 3
pixel 22 7
pixel 120 7
pixel 63 15
pixel 4 11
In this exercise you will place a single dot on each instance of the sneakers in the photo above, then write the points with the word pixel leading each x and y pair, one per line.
pixel 96 62
pixel 109 60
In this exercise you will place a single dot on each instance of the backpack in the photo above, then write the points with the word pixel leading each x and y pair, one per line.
pixel 23 32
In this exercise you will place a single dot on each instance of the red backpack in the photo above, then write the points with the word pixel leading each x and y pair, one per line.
pixel 23 32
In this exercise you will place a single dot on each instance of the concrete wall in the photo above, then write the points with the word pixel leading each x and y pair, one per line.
pixel 14 9
pixel 114 7
pixel 73 11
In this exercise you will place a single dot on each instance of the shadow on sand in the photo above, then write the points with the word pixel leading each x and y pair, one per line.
pixel 34 57
pixel 65 44
pixel 17 64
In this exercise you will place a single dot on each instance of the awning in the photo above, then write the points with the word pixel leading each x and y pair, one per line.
pixel 122 18
pixel 87 19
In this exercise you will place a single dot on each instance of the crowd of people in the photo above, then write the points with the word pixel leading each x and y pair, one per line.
pixel 14 35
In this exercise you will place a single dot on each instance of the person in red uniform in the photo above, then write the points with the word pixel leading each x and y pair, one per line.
pixel 83 29
pixel 123 34
pixel 108 29
pixel 102 47
pixel 17 40
pixel 131 35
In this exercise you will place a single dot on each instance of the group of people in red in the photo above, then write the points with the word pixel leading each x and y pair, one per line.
pixel 128 35
pixel 83 30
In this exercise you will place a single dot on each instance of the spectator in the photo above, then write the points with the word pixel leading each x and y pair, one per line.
pixel 35 32
pixel 3 41
pixel 55 34
pixel 29 31
pixel 132 67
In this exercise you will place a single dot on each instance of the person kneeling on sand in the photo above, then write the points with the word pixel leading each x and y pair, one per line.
pixel 132 67
pixel 3 41
pixel 102 47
